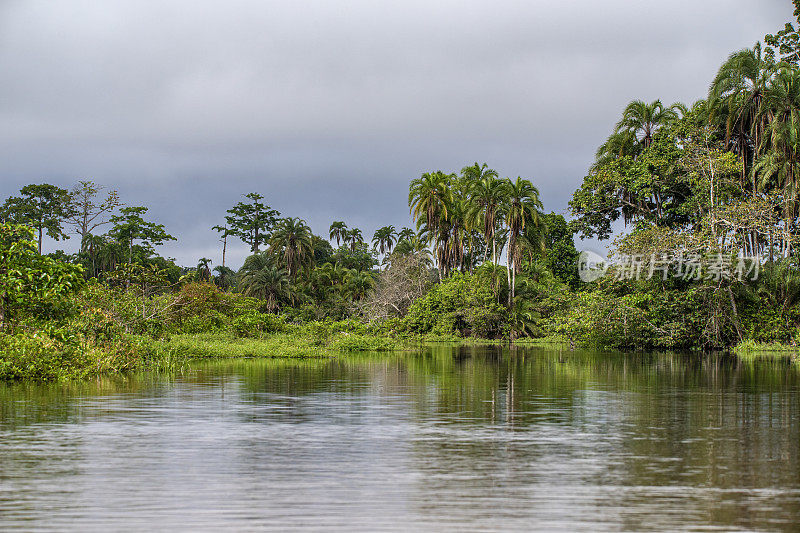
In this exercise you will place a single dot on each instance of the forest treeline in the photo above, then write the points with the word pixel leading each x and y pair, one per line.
pixel 716 178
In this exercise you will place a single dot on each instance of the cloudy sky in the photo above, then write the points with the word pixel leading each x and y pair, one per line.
pixel 329 108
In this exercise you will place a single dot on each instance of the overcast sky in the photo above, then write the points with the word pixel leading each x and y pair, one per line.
pixel 330 108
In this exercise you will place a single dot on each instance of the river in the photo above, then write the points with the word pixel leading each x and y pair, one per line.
pixel 475 438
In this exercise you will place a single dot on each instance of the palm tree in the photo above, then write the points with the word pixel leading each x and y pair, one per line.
pixel 338 231
pixel 459 227
pixel 359 284
pixel 261 278
pixel 618 144
pixel 428 197
pixel 203 271
pixel 486 195
pixel 291 241
pixel 110 254
pixel 643 119
pixel 354 237
pixel 92 244
pixel 384 238
pixel 778 166
pixel 521 207
pixel 477 172
pixel 734 100
pixel 406 234
pixel 225 278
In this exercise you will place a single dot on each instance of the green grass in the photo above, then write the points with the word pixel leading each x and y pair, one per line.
pixel 760 350
pixel 275 345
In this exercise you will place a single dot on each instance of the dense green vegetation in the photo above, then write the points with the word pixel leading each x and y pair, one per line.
pixel 715 179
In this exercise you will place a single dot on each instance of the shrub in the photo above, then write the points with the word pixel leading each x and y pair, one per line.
pixel 463 304
pixel 254 323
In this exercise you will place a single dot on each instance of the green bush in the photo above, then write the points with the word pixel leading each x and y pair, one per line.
pixel 41 358
pixel 463 304
pixel 254 323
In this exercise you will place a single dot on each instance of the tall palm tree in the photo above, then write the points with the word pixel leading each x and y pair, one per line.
pixel 478 172
pixel 354 237
pixel 384 238
pixel 203 270
pixel 291 242
pixel 458 222
pixel 91 245
pixel 110 255
pixel 486 195
pixel 734 100
pixel 428 197
pixel 780 146
pixel 521 207
pixel 338 231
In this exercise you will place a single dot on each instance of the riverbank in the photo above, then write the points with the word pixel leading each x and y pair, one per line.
pixel 40 357
pixel 766 350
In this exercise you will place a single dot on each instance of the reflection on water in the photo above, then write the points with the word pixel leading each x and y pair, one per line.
pixel 450 438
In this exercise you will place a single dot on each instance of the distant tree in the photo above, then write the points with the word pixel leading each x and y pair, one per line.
pixel 88 211
pixel 129 226
pixel 338 231
pixel 225 278
pixel 560 255
pixel 406 234
pixel 292 244
pixel 252 222
pixel 29 281
pixel 403 282
pixel 203 270
pixel 43 207
pixel 261 278
pixel 384 238
pixel 322 250
pixel 354 238
pixel 224 233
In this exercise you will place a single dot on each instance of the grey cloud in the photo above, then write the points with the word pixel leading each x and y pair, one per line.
pixel 330 108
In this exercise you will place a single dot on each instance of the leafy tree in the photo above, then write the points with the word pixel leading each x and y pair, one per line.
pixel 29 282
pixel 360 258
pixel 560 255
pixel 129 227
pixel 252 222
pixel 786 42
pixel 43 207
pixel 322 250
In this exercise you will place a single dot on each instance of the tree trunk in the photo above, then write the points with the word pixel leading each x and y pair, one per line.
pixel 224 247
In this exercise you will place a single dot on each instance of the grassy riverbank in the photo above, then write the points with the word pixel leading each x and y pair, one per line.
pixel 750 350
